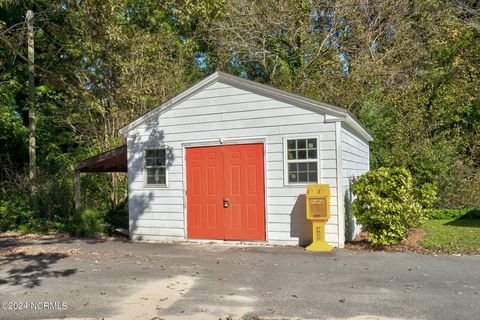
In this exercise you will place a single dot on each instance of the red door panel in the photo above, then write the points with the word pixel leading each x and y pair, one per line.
pixel 232 172
pixel 205 185
pixel 244 188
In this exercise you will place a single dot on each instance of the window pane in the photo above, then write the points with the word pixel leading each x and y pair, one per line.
pixel 292 155
pixel 312 144
pixel 305 172
pixel 302 154
pixel 150 157
pixel 149 161
pixel 156 176
pixel 291 144
pixel 312 154
pixel 150 175
pixel 302 177
pixel 155 157
pixel 150 153
pixel 292 167
pixel 302 167
pixel 161 180
pixel 160 158
pixel 301 143
pixel 292 177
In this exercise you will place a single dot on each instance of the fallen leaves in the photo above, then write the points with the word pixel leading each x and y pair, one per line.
pixel 34 244
pixel 408 245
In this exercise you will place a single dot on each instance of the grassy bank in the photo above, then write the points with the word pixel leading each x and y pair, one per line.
pixel 452 235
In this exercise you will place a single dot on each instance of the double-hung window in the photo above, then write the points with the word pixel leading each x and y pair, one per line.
pixel 302 161
pixel 155 167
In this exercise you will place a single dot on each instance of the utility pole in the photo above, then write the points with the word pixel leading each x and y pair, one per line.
pixel 31 111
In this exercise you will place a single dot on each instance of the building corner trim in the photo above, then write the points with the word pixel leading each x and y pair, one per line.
pixel 340 204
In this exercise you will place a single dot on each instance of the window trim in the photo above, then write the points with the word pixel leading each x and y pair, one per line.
pixel 286 161
pixel 145 180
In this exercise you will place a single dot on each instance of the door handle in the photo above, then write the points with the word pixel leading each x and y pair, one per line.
pixel 225 203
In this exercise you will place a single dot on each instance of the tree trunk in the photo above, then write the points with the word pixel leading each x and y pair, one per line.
pixel 31 111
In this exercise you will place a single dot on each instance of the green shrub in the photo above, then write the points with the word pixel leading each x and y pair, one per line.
pixel 87 222
pixel 52 192
pixel 445 214
pixel 36 225
pixel 388 205
pixel 471 214
pixel 9 216
pixel 450 214
pixel 14 211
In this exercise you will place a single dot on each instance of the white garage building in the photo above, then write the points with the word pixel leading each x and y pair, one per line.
pixel 229 159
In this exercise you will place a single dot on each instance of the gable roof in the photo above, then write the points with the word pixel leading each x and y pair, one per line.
pixel 337 114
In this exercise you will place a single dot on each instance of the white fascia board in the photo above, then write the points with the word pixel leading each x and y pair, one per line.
pixel 355 125
pixel 352 122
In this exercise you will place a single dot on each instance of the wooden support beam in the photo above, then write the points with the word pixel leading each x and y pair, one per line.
pixel 78 192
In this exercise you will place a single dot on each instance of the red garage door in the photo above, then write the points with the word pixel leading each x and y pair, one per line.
pixel 225 192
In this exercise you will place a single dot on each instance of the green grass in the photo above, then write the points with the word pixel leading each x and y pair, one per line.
pixel 452 236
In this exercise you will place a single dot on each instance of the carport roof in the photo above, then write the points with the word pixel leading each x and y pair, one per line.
pixel 114 160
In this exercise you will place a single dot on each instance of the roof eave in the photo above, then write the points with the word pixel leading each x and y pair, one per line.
pixel 355 125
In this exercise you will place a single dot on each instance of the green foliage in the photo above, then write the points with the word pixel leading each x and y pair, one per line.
pixel 15 208
pixel 471 214
pixel 445 214
pixel 101 64
pixel 9 216
pixel 388 205
pixel 448 214
pixel 87 222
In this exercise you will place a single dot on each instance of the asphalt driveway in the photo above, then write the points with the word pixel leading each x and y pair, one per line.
pixel 65 278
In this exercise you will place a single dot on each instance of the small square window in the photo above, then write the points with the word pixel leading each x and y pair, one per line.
pixel 155 167
pixel 302 161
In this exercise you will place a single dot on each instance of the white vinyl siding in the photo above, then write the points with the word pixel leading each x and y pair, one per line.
pixel 355 162
pixel 225 112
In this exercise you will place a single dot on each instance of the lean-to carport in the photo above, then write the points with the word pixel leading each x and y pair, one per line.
pixel 114 160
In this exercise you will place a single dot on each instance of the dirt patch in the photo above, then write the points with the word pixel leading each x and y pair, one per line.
pixel 34 250
pixel 23 237
pixel 408 245
pixel 14 243
pixel 31 243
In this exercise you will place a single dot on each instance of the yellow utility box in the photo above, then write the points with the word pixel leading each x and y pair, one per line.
pixel 318 211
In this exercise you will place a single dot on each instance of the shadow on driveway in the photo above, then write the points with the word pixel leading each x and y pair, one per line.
pixel 35 267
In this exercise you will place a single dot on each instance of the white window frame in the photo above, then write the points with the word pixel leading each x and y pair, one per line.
pixel 146 184
pixel 286 161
